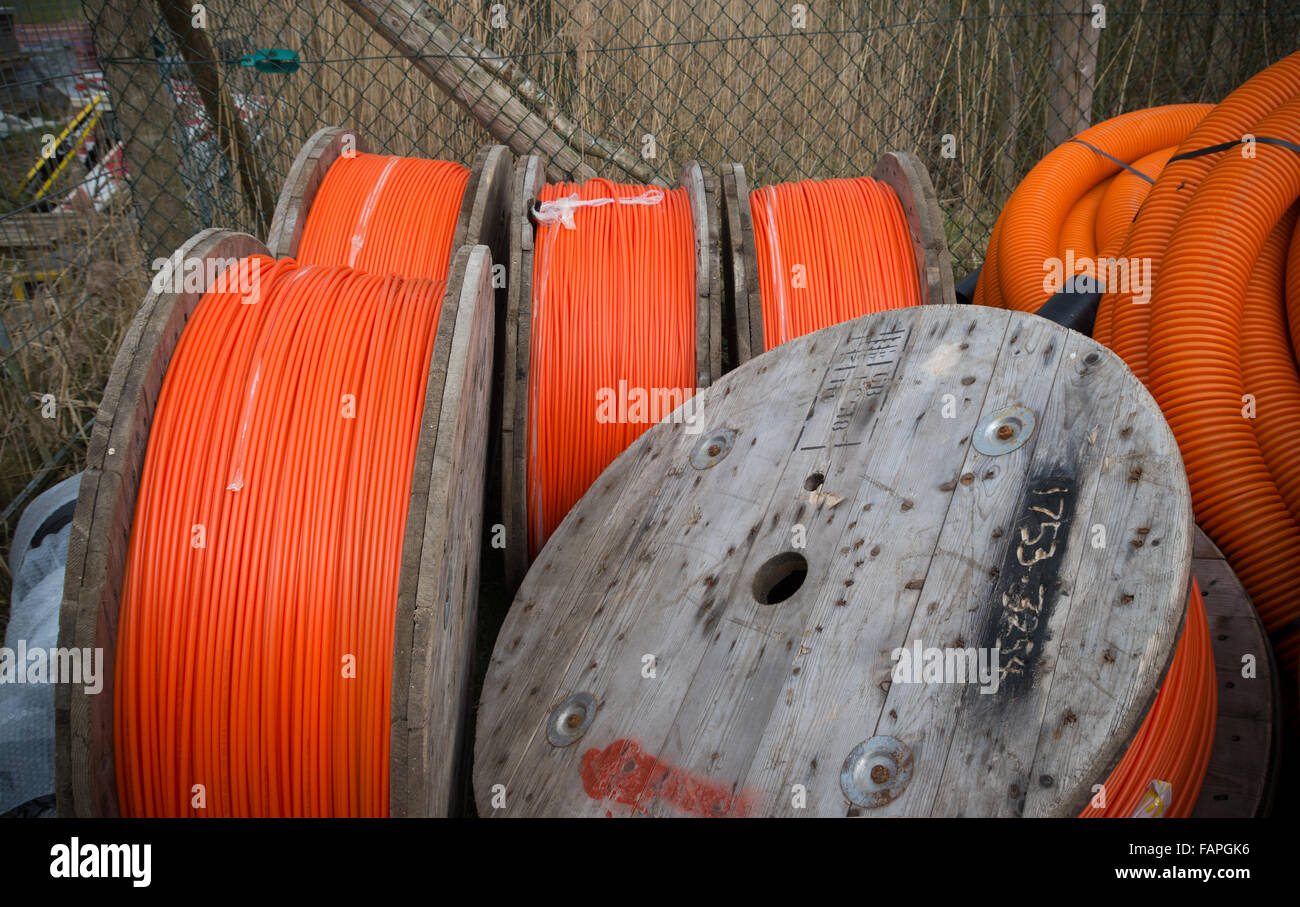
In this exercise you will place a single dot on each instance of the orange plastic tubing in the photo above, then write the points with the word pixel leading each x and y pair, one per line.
pixel 1027 231
pixel 1268 365
pixel 1174 742
pixel 829 251
pixel 254 657
pixel 1124 198
pixel 1194 360
pixel 613 337
pixel 364 215
pixel 1126 322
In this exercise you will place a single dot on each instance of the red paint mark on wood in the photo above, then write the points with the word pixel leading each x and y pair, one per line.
pixel 625 773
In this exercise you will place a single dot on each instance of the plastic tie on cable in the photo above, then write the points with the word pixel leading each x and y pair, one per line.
pixel 560 210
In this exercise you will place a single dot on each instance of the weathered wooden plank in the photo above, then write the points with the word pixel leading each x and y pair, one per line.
pixel 700 186
pixel 906 175
pixel 1242 775
pixel 486 202
pixel 314 160
pixel 528 179
pixel 85 777
pixel 843 460
pixel 438 587
pixel 743 306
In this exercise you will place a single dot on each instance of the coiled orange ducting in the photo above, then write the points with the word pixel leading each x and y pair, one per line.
pixel 1173 744
pixel 829 251
pixel 1028 232
pixel 1122 324
pixel 1194 355
pixel 255 637
pixel 613 334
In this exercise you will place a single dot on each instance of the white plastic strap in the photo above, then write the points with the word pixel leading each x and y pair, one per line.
pixel 561 209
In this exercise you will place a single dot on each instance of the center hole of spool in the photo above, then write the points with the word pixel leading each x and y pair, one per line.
pixel 814 481
pixel 780 577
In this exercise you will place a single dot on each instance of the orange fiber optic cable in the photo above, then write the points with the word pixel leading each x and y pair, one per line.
pixel 365 215
pixel 613 320
pixel 255 639
pixel 829 251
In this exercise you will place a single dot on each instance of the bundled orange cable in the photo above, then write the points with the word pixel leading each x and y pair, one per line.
pixel 1173 745
pixel 256 629
pixel 613 323
pixel 829 251
pixel 385 215
pixel 255 639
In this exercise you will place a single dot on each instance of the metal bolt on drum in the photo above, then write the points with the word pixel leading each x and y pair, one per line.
pixel 1004 430
pixel 713 448
pixel 876 772
pixel 571 720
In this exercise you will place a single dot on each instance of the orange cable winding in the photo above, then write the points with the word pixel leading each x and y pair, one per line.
pixel 829 251
pixel 365 215
pixel 613 337
pixel 255 638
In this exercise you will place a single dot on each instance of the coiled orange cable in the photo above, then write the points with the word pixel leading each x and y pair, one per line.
pixel 255 638
pixel 829 251
pixel 1173 744
pixel 365 215
pixel 613 319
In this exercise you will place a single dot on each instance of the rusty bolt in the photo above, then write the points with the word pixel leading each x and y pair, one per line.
pixel 1005 432
pixel 714 450
pixel 879 774
pixel 573 720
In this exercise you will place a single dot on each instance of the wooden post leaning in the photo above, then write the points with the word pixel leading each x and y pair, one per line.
pixel 438 584
pixel 529 177
pixel 928 475
pixel 743 308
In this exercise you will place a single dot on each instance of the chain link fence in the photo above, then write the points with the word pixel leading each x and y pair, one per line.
pixel 202 108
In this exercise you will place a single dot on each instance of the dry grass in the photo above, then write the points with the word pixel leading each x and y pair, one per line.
pixel 63 338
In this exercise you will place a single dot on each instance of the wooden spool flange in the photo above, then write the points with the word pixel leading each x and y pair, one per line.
pixel 1242 775
pixel 438 584
pixel 529 178
pixel 483 207
pixel 640 672
pixel 743 309
pixel 314 160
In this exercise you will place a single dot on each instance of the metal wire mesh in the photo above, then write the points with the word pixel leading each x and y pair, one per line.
pixel 625 89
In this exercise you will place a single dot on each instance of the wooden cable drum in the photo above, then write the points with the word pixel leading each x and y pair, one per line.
pixel 1242 775
pixel 716 627
pixel 437 592
pixel 743 310
pixel 529 178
